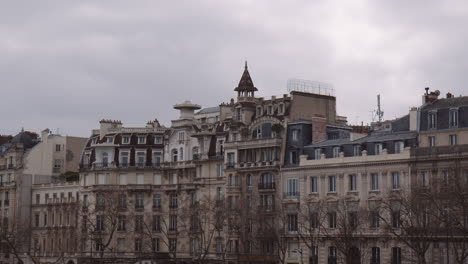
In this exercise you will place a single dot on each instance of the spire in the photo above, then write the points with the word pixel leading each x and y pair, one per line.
pixel 246 83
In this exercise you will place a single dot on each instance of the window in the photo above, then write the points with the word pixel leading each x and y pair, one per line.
pixel 332 219
pixel 57 147
pixel 138 245
pixel 378 148
pixel 292 188
pixel 314 220
pixel 352 182
pixel 175 155
pixel 157 179
pixel 99 222
pixel 181 135
pixel 155 244
pixel 140 159
pixel 292 222
pixel 332 183
pixel 219 170
pixel 336 152
pixel 121 223
pixel 102 178
pixel 395 180
pixel 453 140
pixel 231 160
pixel 124 159
pixel 158 140
pixel 332 255
pixel 173 223
pixel 445 177
pixel 249 181
pixel 314 184
pixel 219 245
pixel 181 154
pixel 396 255
pixel 280 109
pixel 432 120
pixel 138 223
pixel 156 201
pixel 270 109
pixel 424 178
pixel 219 193
pixel 173 201
pixel 374 181
pixel 38 198
pixel 156 223
pixel 453 118
pixel 173 178
pixel 374 219
pixel 396 219
pixel 295 135
pixel 399 146
pixel 293 157
pixel 105 159
pixel 36 220
pixel 141 139
pixel 140 178
pixel 195 153
pixel 123 179
pixel 357 150
pixel 259 111
pixel 110 140
pixel 318 153
pixel 375 258
pixel 121 244
pixel 58 163
pixel 432 141
pixel 139 201
pixel 122 201
pixel 125 139
pixel 85 200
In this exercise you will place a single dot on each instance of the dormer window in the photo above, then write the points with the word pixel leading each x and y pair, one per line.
pixel 281 109
pixel 93 141
pixel 357 150
pixel 141 139
pixel 378 148
pixel 158 140
pixel 336 152
pixel 318 153
pixel 432 120
pixel 453 118
pixel 259 111
pixel 126 140
pixel 295 135
pixel 110 140
pixel 399 146
pixel 270 109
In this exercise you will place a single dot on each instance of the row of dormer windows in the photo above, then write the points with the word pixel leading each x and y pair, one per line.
pixel 270 109
pixel 126 139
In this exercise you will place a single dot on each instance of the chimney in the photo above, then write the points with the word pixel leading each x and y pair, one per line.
pixel 45 134
pixel 413 119
pixel 430 96
pixel 449 95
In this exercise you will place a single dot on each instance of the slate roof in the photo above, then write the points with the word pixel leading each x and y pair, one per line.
pixel 447 103
pixel 246 83
pixel 375 137
pixel 208 110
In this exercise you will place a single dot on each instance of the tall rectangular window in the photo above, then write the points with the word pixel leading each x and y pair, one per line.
pixel 336 152
pixel 295 135
pixel 332 255
pixel 121 223
pixel 140 178
pixel 396 255
pixel 292 187
pixel 173 223
pixel 352 182
pixel 123 179
pixel 395 180
pixel 375 258
pixel 292 222
pixel 374 181
pixel 139 201
pixel 157 179
pixel 318 153
pixel 453 118
pixel 378 148
pixel 157 159
pixel 396 219
pixel 432 120
pixel 424 178
pixel 140 159
pixel 219 170
pixel 124 159
pixel 156 200
pixel 374 219
pixel 453 140
pixel 139 223
pixel 314 184
pixel 399 146
pixel 332 183
pixel 332 219
pixel 156 223
pixel 357 150
pixel 431 141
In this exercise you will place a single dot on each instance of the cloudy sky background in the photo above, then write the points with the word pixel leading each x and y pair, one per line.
pixel 67 64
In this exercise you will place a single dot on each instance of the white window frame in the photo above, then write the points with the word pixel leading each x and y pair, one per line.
pixel 352 182
pixel 318 153
pixel 140 178
pixel 453 118
pixel 314 184
pixel 141 140
pixel 375 181
pixel 157 179
pixel 399 146
pixel 378 149
pixel 125 139
pixel 395 180
pixel 336 152
pixel 332 183
pixel 432 120
pixel 424 178
pixel 357 150
pixel 432 141
pixel 453 140
pixel 110 140
pixel 123 179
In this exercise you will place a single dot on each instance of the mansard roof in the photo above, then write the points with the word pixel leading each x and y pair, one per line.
pixel 246 83
pixel 447 103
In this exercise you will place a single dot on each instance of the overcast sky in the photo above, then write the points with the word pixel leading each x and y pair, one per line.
pixel 67 64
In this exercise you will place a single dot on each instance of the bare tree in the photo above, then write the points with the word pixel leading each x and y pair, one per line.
pixel 310 227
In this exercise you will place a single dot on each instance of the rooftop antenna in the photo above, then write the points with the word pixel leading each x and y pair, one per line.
pixel 379 110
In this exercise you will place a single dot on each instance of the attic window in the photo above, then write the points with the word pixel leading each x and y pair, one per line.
pixel 432 120
pixel 110 140
pixel 93 141
pixel 126 140
pixel 270 109
pixel 259 111
pixel 336 152
pixel 280 109
pixel 158 140
pixel 141 139
pixel 453 118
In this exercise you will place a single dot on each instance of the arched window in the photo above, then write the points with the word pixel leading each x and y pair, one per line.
pixel 174 154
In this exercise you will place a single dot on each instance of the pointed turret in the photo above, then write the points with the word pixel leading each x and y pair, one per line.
pixel 246 86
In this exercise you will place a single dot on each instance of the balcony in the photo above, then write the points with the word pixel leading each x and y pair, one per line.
pixel 258 164
pixel 178 164
pixel 217 156
pixel 254 143
pixel 434 151
pixel 291 195
pixel 267 186
pixel 123 166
